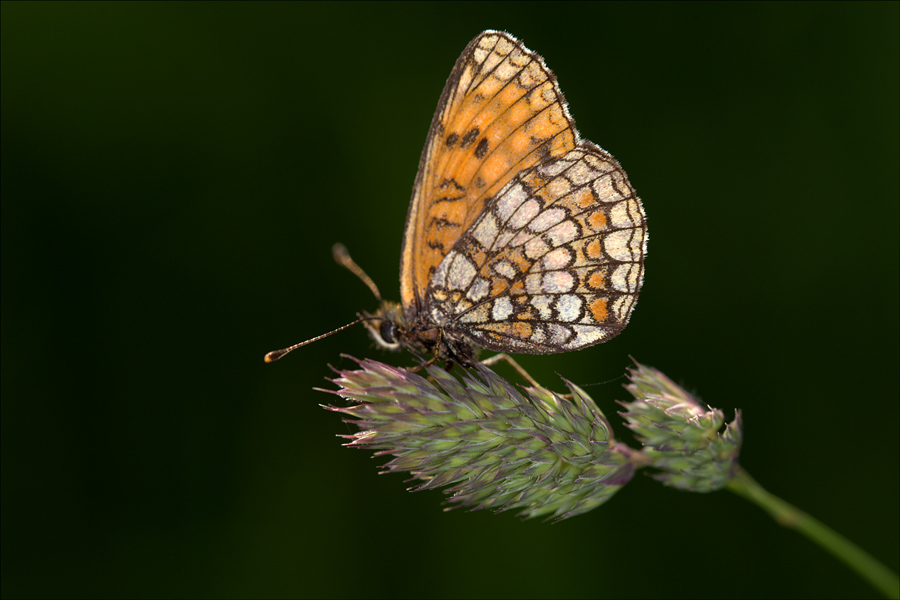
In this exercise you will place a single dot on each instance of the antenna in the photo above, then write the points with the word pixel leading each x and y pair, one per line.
pixel 276 354
pixel 342 257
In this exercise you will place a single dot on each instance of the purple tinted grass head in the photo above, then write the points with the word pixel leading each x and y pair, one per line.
pixel 681 436
pixel 496 447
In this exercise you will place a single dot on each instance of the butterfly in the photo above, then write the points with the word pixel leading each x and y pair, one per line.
pixel 521 237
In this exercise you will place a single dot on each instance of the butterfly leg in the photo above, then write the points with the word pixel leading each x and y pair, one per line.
pixel 430 361
pixel 417 368
pixel 519 368
pixel 492 360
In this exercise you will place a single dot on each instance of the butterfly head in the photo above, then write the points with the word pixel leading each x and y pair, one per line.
pixel 387 326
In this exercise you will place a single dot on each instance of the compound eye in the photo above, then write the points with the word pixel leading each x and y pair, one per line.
pixel 388 329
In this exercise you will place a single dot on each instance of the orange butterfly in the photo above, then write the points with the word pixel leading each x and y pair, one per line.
pixel 521 237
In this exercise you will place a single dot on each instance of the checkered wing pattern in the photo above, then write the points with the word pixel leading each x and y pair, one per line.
pixel 553 263
pixel 500 113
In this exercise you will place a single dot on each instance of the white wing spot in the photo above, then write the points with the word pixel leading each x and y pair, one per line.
pixel 617 245
pixel 568 307
pixel 542 304
pixel 439 279
pixel 479 289
pixel 510 200
pixel 558 259
pixel 558 333
pixel 461 274
pixel 525 214
pixel 563 233
pixel 486 231
pixel 547 219
pixel 585 335
pixel 558 282
pixel 557 188
pixel 505 268
pixel 502 309
pixel 580 174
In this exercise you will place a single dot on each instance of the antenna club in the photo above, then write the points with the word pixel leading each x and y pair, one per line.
pixel 277 354
pixel 340 253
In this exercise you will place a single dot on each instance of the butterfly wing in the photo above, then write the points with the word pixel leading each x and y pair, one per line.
pixel 553 264
pixel 501 112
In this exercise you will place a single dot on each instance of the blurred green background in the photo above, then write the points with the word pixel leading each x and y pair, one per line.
pixel 173 178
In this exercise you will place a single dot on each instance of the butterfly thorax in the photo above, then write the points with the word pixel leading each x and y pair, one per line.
pixel 394 328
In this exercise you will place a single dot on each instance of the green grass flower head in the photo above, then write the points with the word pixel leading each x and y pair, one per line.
pixel 680 436
pixel 496 446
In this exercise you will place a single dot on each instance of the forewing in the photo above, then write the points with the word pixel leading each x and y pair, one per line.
pixel 500 112
pixel 554 264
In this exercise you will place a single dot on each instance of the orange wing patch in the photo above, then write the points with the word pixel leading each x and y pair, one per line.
pixel 500 113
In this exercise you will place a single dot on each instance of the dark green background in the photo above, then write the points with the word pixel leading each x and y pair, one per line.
pixel 173 178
